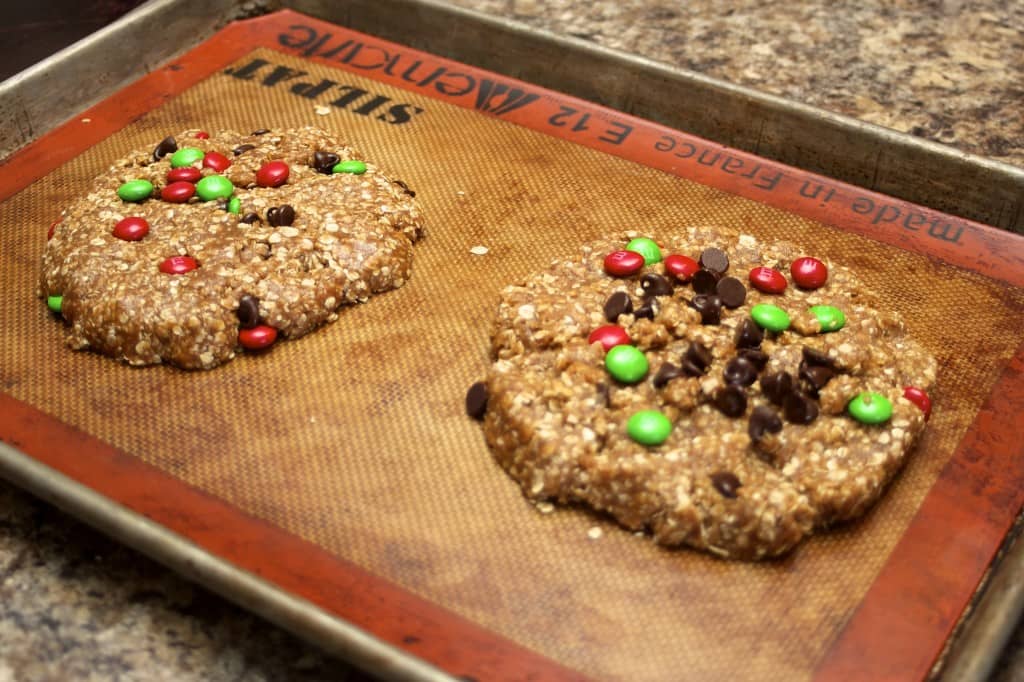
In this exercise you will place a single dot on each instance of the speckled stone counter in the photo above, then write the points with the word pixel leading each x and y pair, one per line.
pixel 951 71
pixel 76 605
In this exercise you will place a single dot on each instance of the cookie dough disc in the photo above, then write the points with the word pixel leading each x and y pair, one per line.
pixel 294 239
pixel 754 461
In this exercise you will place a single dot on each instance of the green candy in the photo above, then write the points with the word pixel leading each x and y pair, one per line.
pixel 135 190
pixel 353 166
pixel 649 427
pixel 55 303
pixel 829 317
pixel 626 364
pixel 870 408
pixel 770 317
pixel 214 187
pixel 186 156
pixel 235 205
pixel 646 248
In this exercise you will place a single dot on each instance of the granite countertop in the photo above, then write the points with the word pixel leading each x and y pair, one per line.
pixel 951 71
pixel 76 605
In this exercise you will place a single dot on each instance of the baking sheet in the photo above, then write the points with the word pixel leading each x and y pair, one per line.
pixel 867 155
pixel 353 443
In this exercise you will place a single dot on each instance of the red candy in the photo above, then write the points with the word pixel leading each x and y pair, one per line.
pixel 178 192
pixel 216 161
pixel 53 228
pixel 808 273
pixel 184 174
pixel 178 265
pixel 767 280
pixel 258 337
pixel 919 398
pixel 272 174
pixel 622 263
pixel 202 135
pixel 131 229
pixel 683 267
pixel 610 335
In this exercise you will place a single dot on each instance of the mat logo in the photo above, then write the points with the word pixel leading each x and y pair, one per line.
pixel 499 99
pixel 484 94
pixel 338 95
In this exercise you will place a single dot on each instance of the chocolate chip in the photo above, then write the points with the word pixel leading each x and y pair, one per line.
pixel 731 401
pixel 691 370
pixel 248 311
pixel 324 162
pixel 249 218
pixel 726 483
pixel 740 372
pixel 799 409
pixel 777 386
pixel 286 215
pixel 242 148
pixel 647 311
pixel 816 358
pixel 731 291
pixel 168 145
pixel 654 284
pixel 476 400
pixel 405 188
pixel 699 355
pixel 617 304
pixel 715 260
pixel 704 282
pixel 763 420
pixel 758 358
pixel 278 216
pixel 666 373
pixel 815 377
pixel 261 131
pixel 709 307
pixel 749 334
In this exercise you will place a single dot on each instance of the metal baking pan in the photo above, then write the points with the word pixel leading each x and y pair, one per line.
pixel 44 96
pixel 840 147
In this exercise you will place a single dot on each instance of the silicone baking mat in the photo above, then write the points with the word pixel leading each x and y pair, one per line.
pixel 342 467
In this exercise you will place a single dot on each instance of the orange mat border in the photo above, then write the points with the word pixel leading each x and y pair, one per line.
pixel 910 610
